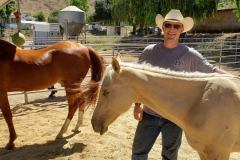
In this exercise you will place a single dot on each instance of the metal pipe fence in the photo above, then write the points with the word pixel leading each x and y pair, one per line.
pixel 218 52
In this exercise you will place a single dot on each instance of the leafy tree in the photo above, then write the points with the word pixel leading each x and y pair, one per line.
pixel 194 8
pixel 39 16
pixel 53 17
pixel 10 8
pixel 90 18
pixel 121 10
pixel 137 12
pixel 237 4
pixel 142 13
pixel 82 4
pixel 7 10
pixel 145 12
pixel 3 14
pixel 103 10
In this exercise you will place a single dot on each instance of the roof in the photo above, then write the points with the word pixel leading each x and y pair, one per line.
pixel 34 22
pixel 72 8
pixel 225 5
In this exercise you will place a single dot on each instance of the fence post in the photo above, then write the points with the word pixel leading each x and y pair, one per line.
pixel 220 54
pixel 25 97
pixel 236 50
pixel 113 51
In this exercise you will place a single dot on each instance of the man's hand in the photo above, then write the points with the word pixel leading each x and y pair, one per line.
pixel 138 112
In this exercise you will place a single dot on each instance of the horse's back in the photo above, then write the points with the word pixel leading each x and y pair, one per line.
pixel 220 97
pixel 44 55
pixel 67 47
pixel 36 69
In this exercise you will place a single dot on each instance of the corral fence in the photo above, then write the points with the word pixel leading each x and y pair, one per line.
pixel 220 52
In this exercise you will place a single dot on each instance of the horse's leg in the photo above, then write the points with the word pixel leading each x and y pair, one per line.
pixel 80 120
pixel 7 114
pixel 73 93
pixel 216 155
pixel 202 156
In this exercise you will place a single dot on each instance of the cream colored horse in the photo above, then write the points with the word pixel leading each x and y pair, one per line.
pixel 205 106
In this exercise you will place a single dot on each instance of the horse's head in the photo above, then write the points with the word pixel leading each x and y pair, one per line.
pixel 116 97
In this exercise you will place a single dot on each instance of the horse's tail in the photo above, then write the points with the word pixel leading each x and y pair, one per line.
pixel 97 65
pixel 97 69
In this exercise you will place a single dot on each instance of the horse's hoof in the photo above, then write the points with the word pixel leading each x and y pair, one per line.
pixel 59 137
pixel 76 131
pixel 10 146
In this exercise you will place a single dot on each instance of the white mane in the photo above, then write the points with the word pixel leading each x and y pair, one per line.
pixel 149 68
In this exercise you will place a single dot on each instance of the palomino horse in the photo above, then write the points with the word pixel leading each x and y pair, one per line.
pixel 65 62
pixel 205 106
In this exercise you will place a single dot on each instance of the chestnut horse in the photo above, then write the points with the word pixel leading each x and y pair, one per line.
pixel 66 62
pixel 205 106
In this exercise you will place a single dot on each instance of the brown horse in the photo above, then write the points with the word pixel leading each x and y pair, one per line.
pixel 65 62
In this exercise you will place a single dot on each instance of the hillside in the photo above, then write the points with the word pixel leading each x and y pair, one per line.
pixel 32 6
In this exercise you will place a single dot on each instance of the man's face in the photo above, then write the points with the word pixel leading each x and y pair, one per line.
pixel 172 30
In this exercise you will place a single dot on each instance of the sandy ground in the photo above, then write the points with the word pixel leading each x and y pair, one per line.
pixel 38 123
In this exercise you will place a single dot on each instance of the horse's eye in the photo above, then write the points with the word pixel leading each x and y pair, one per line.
pixel 105 93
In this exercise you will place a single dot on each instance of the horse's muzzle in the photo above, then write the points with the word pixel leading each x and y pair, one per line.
pixel 98 127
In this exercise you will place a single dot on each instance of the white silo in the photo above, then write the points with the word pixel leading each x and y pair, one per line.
pixel 72 19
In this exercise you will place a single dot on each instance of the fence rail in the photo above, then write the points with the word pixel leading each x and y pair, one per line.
pixel 217 51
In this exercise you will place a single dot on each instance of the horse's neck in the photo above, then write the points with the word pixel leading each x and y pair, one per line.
pixel 170 97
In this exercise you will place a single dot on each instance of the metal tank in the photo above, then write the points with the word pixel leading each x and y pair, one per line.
pixel 72 19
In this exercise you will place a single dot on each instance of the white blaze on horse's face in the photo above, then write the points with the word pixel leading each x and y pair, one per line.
pixel 115 98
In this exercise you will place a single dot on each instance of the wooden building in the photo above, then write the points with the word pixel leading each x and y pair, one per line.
pixel 224 21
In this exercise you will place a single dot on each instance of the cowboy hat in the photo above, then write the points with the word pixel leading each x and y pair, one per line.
pixel 175 15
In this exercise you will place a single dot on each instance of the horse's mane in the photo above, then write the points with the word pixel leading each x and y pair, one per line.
pixel 7 50
pixel 167 72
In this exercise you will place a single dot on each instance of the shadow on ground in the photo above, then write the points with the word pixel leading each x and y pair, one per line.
pixel 49 150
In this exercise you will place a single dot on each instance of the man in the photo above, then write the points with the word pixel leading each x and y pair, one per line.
pixel 175 56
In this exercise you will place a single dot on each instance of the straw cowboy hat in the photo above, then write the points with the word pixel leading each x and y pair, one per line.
pixel 175 15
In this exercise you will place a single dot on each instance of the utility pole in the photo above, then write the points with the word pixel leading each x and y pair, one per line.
pixel 18 38
pixel 18 16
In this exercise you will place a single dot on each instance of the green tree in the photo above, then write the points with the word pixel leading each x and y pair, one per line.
pixel 142 13
pixel 194 8
pixel 236 4
pixel 137 12
pixel 121 10
pixel 6 11
pixel 145 12
pixel 82 4
pixel 103 11
pixel 53 17
pixel 10 8
pixel 3 14
pixel 39 16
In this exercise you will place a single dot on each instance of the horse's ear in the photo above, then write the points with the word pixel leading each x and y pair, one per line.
pixel 118 57
pixel 115 64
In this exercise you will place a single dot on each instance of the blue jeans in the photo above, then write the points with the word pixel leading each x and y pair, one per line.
pixel 147 132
